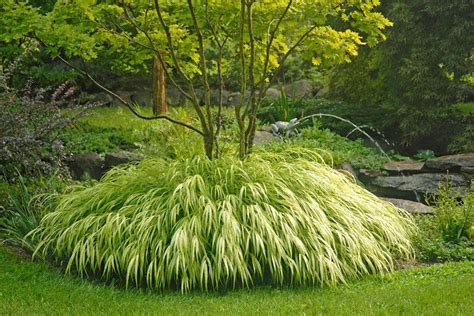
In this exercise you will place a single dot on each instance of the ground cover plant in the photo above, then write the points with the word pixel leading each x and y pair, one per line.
pixel 36 288
pixel 197 223
pixel 449 234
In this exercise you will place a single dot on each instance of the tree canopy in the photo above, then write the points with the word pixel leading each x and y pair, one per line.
pixel 200 41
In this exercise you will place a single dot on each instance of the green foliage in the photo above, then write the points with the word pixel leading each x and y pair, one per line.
pixel 454 219
pixel 424 155
pixel 421 63
pixel 20 212
pixel 30 120
pixel 334 149
pixel 416 74
pixel 83 137
pixel 410 130
pixel 108 129
pixel 284 108
pixel 441 289
pixel 185 38
pixel 197 223
pixel 448 236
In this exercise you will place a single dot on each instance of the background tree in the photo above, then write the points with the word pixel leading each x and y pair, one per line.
pixel 418 73
pixel 258 36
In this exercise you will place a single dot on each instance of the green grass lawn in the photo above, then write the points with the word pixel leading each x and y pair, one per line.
pixel 30 288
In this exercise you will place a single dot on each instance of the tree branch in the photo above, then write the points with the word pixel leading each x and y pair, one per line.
pixel 174 58
pixel 127 104
pixel 269 45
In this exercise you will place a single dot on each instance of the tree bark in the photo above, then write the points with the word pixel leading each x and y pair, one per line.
pixel 160 104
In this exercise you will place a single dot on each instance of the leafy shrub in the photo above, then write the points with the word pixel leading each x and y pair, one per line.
pixel 424 155
pixel 454 219
pixel 29 120
pixel 448 236
pixel 197 223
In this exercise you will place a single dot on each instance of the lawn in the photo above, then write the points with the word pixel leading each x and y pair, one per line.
pixel 35 288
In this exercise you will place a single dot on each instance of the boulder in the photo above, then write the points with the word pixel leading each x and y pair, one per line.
pixel 323 92
pixel 299 89
pixel 403 167
pixel 234 98
pixel 468 172
pixel 416 186
pixel 173 96
pixel 118 158
pixel 262 138
pixel 451 162
pixel 410 206
pixel 103 99
pixel 215 97
pixel 367 175
pixel 87 165
pixel 273 93
pixel 142 96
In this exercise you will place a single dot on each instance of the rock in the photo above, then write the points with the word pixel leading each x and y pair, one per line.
pixel 367 175
pixel 451 162
pixel 262 138
pixel 118 158
pixel 347 167
pixel 273 93
pixel 468 173
pixel 403 167
pixel 124 94
pixel 410 206
pixel 215 97
pixel 299 89
pixel 323 92
pixel 266 128
pixel 408 187
pixel 142 96
pixel 86 165
pixel 173 96
pixel 234 98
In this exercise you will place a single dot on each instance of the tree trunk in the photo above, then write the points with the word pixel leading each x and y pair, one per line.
pixel 159 88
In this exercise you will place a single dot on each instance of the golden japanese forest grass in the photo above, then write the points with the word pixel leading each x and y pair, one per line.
pixel 202 224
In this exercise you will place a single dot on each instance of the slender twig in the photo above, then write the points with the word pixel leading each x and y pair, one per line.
pixel 205 81
pixel 158 53
pixel 252 103
pixel 271 37
pixel 174 58
pixel 272 78
pixel 243 79
pixel 220 46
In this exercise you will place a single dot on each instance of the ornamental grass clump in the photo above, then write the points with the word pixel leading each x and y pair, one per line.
pixel 202 224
